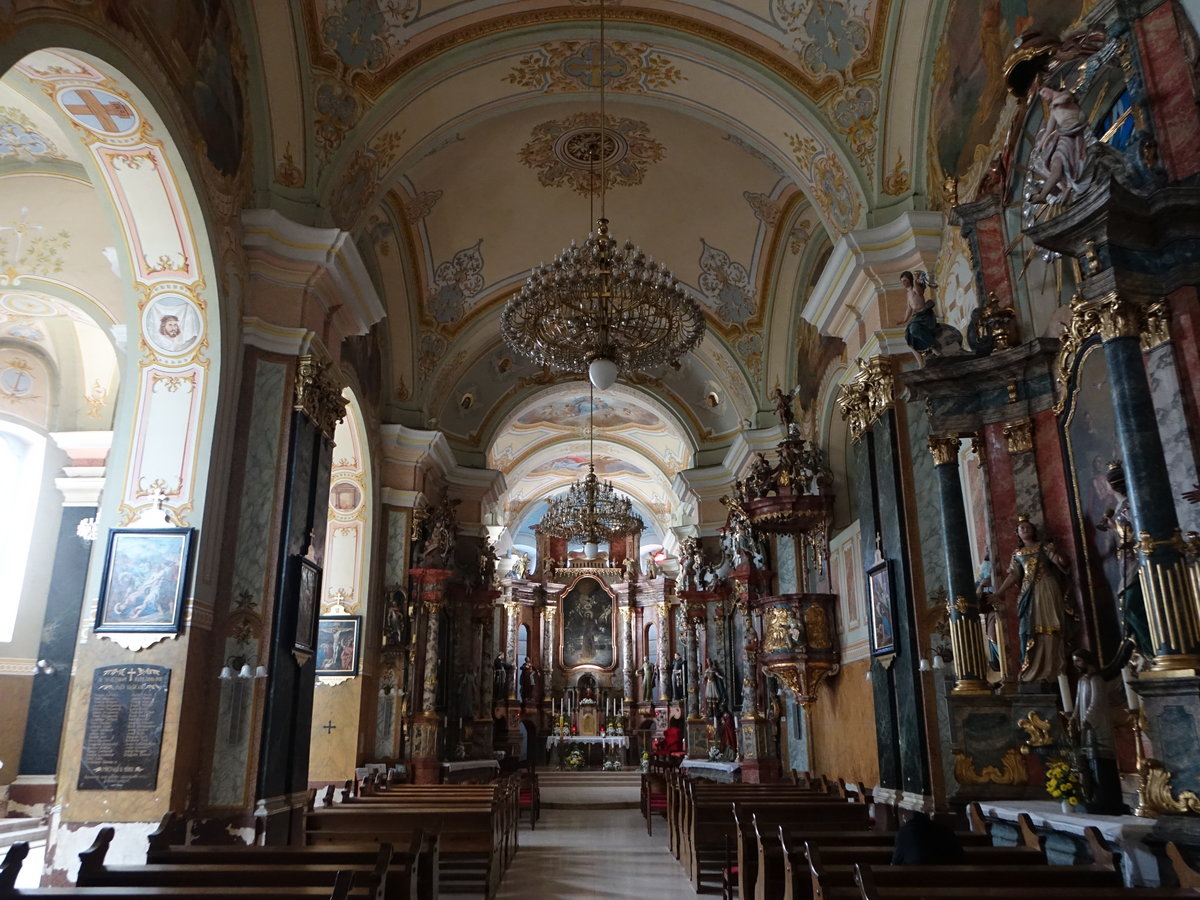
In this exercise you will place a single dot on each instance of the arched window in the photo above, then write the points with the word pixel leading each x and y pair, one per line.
pixel 21 454
pixel 522 652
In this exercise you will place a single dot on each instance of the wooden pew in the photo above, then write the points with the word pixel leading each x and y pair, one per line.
pixel 476 838
pixel 712 831
pixel 682 797
pixel 831 868
pixel 411 873
pixel 370 878
pixel 11 867
pixel 775 872
pixel 977 883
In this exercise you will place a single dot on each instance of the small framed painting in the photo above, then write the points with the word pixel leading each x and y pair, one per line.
pixel 879 589
pixel 145 579
pixel 339 640
pixel 308 581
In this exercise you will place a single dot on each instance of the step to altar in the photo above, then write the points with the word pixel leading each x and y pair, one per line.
pixel 590 789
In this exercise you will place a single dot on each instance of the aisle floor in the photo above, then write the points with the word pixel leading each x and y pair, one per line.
pixel 594 853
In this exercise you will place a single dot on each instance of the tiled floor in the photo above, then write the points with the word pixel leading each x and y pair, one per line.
pixel 594 853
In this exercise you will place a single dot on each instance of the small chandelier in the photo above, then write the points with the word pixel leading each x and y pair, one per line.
pixel 602 308
pixel 591 509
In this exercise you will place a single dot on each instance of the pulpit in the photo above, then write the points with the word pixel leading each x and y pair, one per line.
pixel 586 721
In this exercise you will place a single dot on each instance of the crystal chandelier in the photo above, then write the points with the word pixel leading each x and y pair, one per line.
pixel 602 308
pixel 591 509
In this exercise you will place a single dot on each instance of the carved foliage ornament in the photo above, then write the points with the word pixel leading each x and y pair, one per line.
pixel 867 395
pixel 318 395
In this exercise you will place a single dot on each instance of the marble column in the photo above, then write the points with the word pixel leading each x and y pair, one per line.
pixel 513 610
pixel 627 653
pixel 664 643
pixel 429 595
pixel 966 636
pixel 694 665
pixel 549 648
pixel 1172 604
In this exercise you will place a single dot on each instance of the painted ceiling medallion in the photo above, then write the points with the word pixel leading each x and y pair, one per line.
pixel 560 152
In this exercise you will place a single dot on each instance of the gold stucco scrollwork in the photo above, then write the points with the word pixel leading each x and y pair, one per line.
pixel 867 395
pixel 318 395
pixel 1037 728
pixel 1010 771
pixel 944 449
pixel 1156 794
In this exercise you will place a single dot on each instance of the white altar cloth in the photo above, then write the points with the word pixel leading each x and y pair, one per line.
pixel 1139 867
pixel 620 740
pixel 463 765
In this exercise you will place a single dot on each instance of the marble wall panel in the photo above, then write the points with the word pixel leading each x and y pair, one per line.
pixel 1027 490
pixel 785 564
pixel 1173 430
pixel 927 499
pixel 395 562
pixel 251 574
pixel 250 569
pixel 1168 81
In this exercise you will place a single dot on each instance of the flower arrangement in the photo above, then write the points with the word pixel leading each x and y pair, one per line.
pixel 1063 782
pixel 645 767
pixel 574 759
pixel 611 765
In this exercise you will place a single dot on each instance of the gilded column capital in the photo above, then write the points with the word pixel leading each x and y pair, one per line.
pixel 1019 436
pixel 1120 317
pixel 1110 317
pixel 1158 325
pixel 626 612
pixel 511 607
pixel 318 394
pixel 944 448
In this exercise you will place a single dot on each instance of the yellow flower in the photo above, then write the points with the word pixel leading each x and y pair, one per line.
pixel 1073 801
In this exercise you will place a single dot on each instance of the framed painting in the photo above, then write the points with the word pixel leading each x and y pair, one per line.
pixel 339 642
pixel 308 581
pixel 145 579
pixel 587 627
pixel 879 589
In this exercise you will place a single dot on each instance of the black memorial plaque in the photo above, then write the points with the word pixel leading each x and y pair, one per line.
pixel 124 728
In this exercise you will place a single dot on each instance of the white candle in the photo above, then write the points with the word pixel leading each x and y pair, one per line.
pixel 1064 688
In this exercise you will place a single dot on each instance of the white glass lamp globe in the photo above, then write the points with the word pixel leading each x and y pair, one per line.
pixel 602 372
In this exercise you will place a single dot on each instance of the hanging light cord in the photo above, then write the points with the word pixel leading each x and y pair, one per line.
pixel 603 124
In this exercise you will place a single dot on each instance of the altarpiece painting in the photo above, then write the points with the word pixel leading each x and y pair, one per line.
pixel 587 625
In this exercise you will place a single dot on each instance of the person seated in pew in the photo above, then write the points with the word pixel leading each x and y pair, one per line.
pixel 923 842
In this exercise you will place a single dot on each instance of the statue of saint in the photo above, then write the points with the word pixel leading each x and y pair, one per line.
pixel 500 670
pixel 649 677
pixel 678 678
pixel 631 568
pixel 1041 608
pixel 1061 147
pixel 919 322
pixel 783 409
pixel 520 568
pixel 528 679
